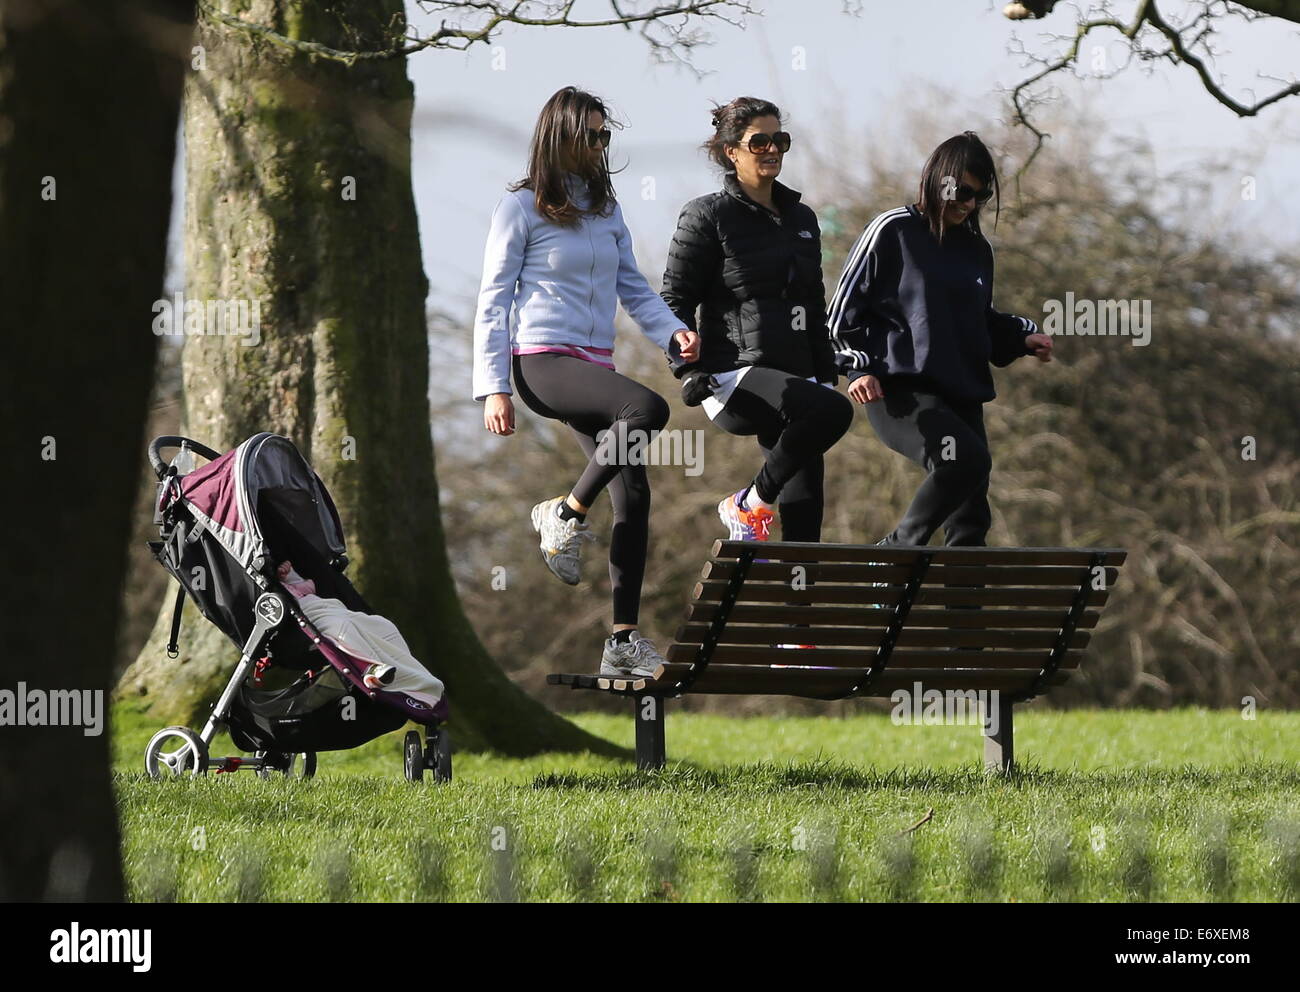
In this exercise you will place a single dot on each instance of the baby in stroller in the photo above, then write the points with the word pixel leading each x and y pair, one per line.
pixel 367 636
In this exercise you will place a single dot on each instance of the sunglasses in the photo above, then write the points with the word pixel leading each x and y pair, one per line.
pixel 598 139
pixel 759 142
pixel 965 193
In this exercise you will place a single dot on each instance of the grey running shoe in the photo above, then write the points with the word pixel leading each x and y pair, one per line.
pixel 561 540
pixel 636 657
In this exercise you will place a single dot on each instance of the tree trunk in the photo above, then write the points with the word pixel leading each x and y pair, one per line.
pixel 89 101
pixel 299 197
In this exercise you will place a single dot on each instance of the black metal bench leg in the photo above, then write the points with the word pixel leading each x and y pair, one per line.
pixel 999 750
pixel 648 711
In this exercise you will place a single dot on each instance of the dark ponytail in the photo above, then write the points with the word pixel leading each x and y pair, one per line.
pixel 730 121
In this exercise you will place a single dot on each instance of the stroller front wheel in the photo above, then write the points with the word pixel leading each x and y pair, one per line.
pixel 190 757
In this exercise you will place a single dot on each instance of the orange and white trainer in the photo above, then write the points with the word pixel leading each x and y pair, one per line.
pixel 744 524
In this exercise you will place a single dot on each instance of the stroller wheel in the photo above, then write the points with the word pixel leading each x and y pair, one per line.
pixel 413 756
pixel 437 753
pixel 289 765
pixel 174 752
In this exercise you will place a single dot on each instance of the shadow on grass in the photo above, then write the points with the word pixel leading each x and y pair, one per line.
pixel 830 774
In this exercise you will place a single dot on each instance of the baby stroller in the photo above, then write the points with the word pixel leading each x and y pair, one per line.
pixel 223 528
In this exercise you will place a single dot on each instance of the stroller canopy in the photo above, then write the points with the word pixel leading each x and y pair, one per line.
pixel 226 496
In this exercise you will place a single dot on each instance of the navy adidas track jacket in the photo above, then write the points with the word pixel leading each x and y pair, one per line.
pixel 908 305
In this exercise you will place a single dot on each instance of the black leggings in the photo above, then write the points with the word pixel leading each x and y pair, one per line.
pixel 590 399
pixel 946 439
pixel 796 421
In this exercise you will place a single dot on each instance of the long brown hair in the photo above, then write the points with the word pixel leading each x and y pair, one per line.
pixel 562 130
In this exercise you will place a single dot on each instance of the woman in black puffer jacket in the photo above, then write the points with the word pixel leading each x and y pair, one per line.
pixel 749 259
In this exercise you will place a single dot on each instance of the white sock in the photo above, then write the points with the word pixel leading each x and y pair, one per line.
pixel 753 501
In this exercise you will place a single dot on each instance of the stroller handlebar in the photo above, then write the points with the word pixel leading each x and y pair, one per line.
pixel 173 441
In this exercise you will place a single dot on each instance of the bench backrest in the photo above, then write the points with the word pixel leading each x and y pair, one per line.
pixel 879 619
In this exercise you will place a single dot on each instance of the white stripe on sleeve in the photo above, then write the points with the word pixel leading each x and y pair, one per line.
pixel 854 269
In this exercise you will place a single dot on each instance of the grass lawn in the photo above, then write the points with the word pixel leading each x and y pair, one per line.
pixel 1186 805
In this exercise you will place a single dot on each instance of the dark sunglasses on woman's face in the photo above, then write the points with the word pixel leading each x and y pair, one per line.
pixel 760 142
pixel 599 138
pixel 965 193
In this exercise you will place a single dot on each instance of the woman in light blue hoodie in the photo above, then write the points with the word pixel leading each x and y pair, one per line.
pixel 559 257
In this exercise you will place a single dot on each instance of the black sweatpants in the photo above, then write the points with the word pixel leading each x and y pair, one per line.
pixel 590 399
pixel 796 422
pixel 946 439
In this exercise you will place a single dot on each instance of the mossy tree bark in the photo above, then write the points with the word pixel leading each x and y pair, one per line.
pixel 299 197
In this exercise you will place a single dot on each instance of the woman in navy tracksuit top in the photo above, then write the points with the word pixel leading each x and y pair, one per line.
pixel 915 331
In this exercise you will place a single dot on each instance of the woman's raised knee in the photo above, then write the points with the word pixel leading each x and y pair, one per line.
pixel 651 414
pixel 840 410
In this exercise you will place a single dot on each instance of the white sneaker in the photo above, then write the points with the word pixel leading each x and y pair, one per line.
pixel 636 657
pixel 561 542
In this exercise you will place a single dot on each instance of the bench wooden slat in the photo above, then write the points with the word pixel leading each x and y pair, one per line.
pixel 932 637
pixel 747 679
pixel 976 575
pixel 741 655
pixel 791 550
pixel 602 682
pixel 711 592
pixel 848 616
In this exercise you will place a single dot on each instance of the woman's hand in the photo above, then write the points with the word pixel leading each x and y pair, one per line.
pixel 499 414
pixel 1040 346
pixel 689 343
pixel 866 389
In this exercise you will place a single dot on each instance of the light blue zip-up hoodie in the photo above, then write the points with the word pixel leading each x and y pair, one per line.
pixel 562 284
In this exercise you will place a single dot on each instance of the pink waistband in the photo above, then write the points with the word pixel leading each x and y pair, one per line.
pixel 600 356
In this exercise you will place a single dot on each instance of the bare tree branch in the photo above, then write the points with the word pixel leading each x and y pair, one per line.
pixel 1022 97
pixel 1288 10
pixel 1183 53
pixel 1151 38
pixel 679 38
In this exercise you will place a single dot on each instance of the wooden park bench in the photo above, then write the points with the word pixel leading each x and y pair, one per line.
pixel 1014 620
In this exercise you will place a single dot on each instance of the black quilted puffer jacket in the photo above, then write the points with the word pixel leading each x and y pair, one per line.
pixel 756 280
